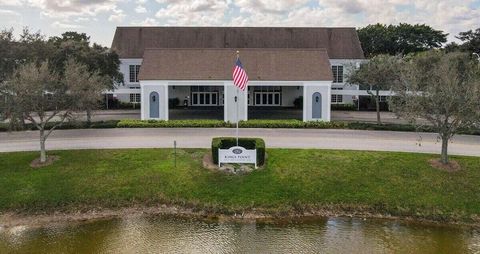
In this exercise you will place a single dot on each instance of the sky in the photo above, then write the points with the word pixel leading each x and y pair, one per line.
pixel 98 18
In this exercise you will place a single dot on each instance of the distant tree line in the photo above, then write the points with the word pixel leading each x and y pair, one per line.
pixel 404 39
pixel 33 47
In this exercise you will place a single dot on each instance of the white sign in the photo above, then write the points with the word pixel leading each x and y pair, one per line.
pixel 237 154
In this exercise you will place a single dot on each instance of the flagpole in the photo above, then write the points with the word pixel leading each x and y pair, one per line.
pixel 236 101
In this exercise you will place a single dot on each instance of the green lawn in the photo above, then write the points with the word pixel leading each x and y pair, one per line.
pixel 396 183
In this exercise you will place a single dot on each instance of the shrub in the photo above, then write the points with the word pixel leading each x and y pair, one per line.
pixel 173 102
pixel 247 143
pixel 172 124
pixel 298 102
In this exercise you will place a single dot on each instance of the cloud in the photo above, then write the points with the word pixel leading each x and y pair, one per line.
pixel 61 8
pixel 60 25
pixel 11 2
pixel 140 9
pixel 9 18
pixel 117 16
pixel 196 12
pixel 146 22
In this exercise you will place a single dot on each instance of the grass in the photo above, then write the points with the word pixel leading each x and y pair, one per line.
pixel 401 184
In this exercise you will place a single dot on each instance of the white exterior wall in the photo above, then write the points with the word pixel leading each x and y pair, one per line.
pixel 164 87
pixel 159 86
pixel 125 70
pixel 230 106
pixel 324 88
pixel 348 66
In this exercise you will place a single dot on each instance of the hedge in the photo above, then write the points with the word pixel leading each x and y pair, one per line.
pixel 288 124
pixel 66 126
pixel 247 143
pixel 219 123
pixel 172 124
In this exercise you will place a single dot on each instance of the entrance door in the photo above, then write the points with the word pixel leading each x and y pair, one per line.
pixel 267 98
pixel 316 105
pixel 204 98
pixel 154 105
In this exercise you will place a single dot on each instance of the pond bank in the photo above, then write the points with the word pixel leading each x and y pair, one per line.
pixel 14 219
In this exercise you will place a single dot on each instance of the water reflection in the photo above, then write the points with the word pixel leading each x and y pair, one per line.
pixel 174 235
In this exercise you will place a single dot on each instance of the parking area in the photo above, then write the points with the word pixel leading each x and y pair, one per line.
pixel 215 113
pixel 274 113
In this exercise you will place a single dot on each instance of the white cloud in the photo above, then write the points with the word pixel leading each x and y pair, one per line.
pixel 60 25
pixel 9 18
pixel 146 22
pixel 196 12
pixel 117 16
pixel 60 8
pixel 11 2
pixel 140 9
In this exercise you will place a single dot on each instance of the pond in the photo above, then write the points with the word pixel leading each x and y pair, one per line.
pixel 160 234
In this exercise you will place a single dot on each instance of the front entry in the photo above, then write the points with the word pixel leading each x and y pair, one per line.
pixel 154 105
pixel 316 105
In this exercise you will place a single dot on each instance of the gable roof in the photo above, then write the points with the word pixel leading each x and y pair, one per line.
pixel 217 64
pixel 340 43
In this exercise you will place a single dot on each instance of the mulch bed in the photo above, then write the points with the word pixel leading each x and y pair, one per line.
pixel 50 160
pixel 452 165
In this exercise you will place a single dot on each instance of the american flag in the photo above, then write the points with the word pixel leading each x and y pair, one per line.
pixel 240 77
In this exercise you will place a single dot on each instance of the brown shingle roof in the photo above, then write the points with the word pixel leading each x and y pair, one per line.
pixel 340 43
pixel 217 64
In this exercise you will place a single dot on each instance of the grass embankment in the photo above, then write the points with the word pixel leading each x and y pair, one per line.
pixel 399 184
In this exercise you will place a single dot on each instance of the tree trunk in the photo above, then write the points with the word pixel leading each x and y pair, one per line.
pixel 43 153
pixel 89 117
pixel 377 105
pixel 444 158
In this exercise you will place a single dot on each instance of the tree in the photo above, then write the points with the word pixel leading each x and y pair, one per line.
pixel 100 61
pixel 46 99
pixel 375 75
pixel 90 86
pixel 399 39
pixel 7 60
pixel 444 89
pixel 471 40
pixel 97 58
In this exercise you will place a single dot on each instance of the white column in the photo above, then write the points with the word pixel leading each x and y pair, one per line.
pixel 230 106
pixel 146 88
pixel 324 88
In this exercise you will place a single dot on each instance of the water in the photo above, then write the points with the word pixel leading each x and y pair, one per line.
pixel 175 235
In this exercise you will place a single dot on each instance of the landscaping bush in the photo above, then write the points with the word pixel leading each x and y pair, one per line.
pixel 172 124
pixel 298 102
pixel 292 123
pixel 247 143
pixel 68 125
pixel 173 102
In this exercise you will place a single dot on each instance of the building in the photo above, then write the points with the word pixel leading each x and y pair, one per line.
pixel 190 68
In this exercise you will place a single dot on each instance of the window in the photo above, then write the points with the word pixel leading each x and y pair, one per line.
pixel 337 98
pixel 382 98
pixel 337 71
pixel 134 70
pixel 135 98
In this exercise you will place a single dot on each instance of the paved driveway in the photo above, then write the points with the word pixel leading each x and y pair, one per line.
pixel 253 113
pixel 201 138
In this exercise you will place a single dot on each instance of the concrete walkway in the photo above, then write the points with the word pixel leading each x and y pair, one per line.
pixel 275 138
